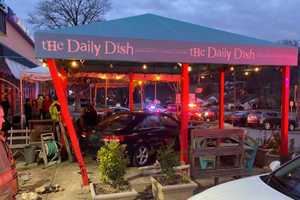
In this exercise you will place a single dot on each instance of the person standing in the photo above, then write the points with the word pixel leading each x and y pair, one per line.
pixel 27 111
pixel 46 105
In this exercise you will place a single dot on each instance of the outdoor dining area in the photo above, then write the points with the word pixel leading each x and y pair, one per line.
pixel 146 48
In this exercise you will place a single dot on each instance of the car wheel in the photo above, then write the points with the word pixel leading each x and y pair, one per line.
pixel 141 155
pixel 267 125
pixel 291 127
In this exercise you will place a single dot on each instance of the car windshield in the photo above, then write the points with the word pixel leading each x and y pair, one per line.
pixel 117 122
pixel 287 179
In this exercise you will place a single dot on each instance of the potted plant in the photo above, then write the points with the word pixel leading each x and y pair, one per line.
pixel 112 169
pixel 268 150
pixel 171 185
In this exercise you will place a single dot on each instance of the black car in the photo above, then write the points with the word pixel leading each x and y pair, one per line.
pixel 143 134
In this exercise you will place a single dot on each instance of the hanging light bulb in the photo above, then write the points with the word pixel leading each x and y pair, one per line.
pixel 157 78
pixel 118 77
pixel 203 77
pixel 145 66
pixel 74 64
pixel 256 69
pixel 231 68
pixel 140 82
pixel 246 73
pixel 44 64
pixel 111 65
pixel 189 68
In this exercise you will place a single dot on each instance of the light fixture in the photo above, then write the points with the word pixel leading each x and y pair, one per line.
pixel 111 65
pixel 231 68
pixel 203 77
pixel 144 66
pixel 118 77
pixel 179 64
pixel 246 73
pixel 189 68
pixel 44 64
pixel 59 75
pixel 74 64
pixel 256 69
pixel 103 76
pixel 140 82
pixel 157 78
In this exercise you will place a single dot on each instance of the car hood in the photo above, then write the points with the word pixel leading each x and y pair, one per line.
pixel 246 189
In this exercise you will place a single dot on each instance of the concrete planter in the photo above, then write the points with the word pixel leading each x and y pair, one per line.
pixel 172 192
pixel 130 195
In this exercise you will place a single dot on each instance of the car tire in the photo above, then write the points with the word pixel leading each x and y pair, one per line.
pixel 141 155
pixel 291 127
pixel 267 125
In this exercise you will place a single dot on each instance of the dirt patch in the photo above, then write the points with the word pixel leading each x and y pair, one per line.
pixel 101 188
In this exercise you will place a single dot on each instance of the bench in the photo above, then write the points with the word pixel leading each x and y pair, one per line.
pixel 217 153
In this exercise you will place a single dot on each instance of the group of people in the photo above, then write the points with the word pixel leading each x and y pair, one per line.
pixel 44 107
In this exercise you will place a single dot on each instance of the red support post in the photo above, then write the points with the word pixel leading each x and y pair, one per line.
pixel 285 92
pixel 67 118
pixel 221 98
pixel 131 90
pixel 184 113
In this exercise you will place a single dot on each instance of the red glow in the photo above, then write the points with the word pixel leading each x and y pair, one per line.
pixel 114 138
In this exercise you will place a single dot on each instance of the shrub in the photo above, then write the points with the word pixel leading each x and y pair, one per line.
pixel 112 163
pixel 168 159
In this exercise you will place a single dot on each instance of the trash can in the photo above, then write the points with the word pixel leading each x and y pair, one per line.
pixel 29 154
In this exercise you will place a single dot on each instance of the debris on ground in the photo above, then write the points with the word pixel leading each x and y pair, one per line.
pixel 48 188
pixel 30 196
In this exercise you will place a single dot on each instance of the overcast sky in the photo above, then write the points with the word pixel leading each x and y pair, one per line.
pixel 266 19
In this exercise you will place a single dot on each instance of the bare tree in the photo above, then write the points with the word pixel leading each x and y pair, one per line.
pixel 51 14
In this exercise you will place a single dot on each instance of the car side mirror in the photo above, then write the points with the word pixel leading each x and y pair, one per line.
pixel 274 165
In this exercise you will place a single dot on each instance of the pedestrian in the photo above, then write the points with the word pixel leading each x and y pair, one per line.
pixel 54 111
pixel 27 111
pixel 40 101
pixel 46 105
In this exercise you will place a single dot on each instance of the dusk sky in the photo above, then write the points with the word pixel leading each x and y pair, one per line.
pixel 266 19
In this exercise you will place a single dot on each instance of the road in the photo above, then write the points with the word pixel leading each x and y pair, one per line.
pixel 256 133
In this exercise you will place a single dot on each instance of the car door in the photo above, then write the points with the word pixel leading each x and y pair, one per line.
pixel 149 130
pixel 169 131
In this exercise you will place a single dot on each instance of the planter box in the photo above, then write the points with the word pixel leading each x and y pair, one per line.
pixel 130 195
pixel 172 192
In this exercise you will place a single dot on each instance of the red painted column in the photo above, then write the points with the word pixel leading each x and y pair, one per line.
pixel 131 90
pixel 221 98
pixel 285 92
pixel 184 113
pixel 67 118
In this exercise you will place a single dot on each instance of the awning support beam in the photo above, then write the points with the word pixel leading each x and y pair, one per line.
pixel 221 98
pixel 59 88
pixel 285 92
pixel 184 113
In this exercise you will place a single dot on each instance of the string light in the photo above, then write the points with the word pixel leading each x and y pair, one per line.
pixel 256 69
pixel 231 68
pixel 189 68
pixel 144 66
pixel 140 82
pixel 158 78
pixel 111 65
pixel 44 64
pixel 118 77
pixel 246 73
pixel 203 77
pixel 74 64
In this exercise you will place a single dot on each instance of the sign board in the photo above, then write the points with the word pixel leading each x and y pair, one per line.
pixel 87 47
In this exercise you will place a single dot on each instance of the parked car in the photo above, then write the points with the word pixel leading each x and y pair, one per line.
pixel 282 184
pixel 8 173
pixel 194 112
pixel 143 133
pixel 268 120
pixel 238 118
